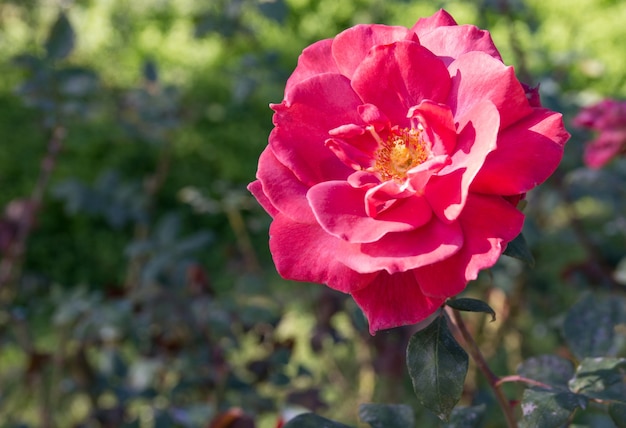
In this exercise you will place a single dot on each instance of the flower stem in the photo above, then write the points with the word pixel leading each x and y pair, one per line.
pixel 493 380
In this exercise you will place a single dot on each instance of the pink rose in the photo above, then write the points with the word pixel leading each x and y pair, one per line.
pixel 396 161
pixel 609 118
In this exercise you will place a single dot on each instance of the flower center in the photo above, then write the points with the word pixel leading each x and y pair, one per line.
pixel 404 149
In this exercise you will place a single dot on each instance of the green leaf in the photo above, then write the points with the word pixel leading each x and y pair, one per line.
pixel 589 326
pixel 471 305
pixel 311 420
pixel 466 417
pixel 601 378
pixel 617 411
pixel 437 367
pixel 549 369
pixel 518 249
pixel 387 415
pixel 547 408
pixel 61 39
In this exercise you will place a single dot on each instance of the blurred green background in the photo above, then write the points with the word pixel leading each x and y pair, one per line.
pixel 145 293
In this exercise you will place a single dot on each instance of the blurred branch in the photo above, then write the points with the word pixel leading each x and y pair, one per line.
pixel 11 262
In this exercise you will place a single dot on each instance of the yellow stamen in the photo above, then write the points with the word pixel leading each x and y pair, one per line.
pixel 403 150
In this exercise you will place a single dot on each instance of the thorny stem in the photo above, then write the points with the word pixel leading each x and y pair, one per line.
pixel 492 379
pixel 518 378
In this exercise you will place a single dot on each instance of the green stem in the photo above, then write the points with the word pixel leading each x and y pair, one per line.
pixel 493 380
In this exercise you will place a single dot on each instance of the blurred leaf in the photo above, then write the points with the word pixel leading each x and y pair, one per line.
pixel 618 414
pixel 518 249
pixel 471 305
pixel 77 82
pixel 437 367
pixel 466 417
pixel 590 326
pixel 311 420
pixel 548 409
pixel 61 39
pixel 601 378
pixel 274 9
pixel 150 72
pixel 387 415
pixel 549 369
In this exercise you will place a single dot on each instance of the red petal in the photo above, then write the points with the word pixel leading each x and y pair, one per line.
pixel 400 252
pixel 450 43
pixel 351 46
pixel 284 191
pixel 438 124
pixel 440 19
pixel 304 252
pixel 317 105
pixel 256 188
pixel 476 77
pixel 526 154
pixel 488 222
pixel 315 59
pixel 340 210
pixel 394 300
pixel 448 190
pixel 398 76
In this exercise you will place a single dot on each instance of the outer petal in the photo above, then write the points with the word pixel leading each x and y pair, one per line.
pixel 395 300
pixel 399 76
pixel 340 210
pixel 527 153
pixel 304 252
pixel 284 191
pixel 317 105
pixel 489 222
pixel 315 59
pixel 447 192
pixel 440 19
pixel 352 45
pixel 476 76
pixel 450 43
pixel 400 252
pixel 256 188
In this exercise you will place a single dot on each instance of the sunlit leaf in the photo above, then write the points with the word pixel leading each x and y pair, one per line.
pixel 437 367
pixel 601 378
pixel 518 249
pixel 472 305
pixel 387 415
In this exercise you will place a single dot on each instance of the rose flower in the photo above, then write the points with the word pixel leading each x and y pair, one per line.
pixel 396 162
pixel 608 117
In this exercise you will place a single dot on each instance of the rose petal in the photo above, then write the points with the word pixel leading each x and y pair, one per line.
pixel 315 59
pixel 398 76
pixel 476 76
pixel 449 43
pixel 256 188
pixel 394 300
pixel 340 210
pixel 447 191
pixel 281 187
pixel 400 252
pixel 317 105
pixel 438 124
pixel 352 45
pixel 527 153
pixel 304 252
pixel 440 19
pixel 488 222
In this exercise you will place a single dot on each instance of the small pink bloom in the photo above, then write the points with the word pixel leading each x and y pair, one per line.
pixel 396 161
pixel 608 117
